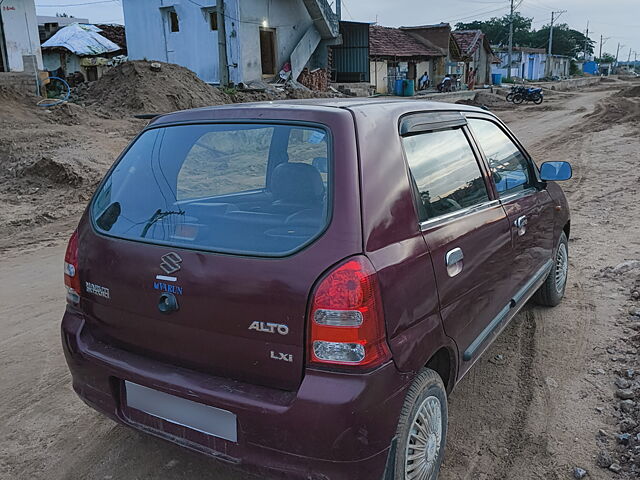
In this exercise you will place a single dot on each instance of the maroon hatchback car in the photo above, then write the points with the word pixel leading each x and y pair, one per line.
pixel 294 288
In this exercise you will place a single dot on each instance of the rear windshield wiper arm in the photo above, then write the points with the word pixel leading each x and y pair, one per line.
pixel 157 216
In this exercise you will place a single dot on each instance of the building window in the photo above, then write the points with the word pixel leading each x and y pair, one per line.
pixel 174 23
pixel 213 20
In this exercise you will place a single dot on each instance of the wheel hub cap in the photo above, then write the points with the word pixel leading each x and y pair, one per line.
pixel 562 267
pixel 425 440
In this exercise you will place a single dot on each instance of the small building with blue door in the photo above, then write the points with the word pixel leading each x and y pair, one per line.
pixel 261 36
pixel 526 63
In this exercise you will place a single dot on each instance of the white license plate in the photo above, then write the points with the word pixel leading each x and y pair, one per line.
pixel 197 416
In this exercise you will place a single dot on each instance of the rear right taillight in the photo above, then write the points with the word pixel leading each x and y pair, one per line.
pixel 71 278
pixel 346 317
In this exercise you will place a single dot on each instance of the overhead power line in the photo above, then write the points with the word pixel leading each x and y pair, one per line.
pixel 67 5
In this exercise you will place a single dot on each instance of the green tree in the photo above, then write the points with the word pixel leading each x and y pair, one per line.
pixel 497 29
pixel 566 41
pixel 606 58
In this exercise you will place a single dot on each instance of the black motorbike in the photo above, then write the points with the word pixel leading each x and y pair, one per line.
pixel 515 89
pixel 528 95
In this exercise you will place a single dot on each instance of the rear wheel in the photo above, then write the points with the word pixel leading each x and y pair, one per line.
pixel 518 98
pixel 422 428
pixel 552 290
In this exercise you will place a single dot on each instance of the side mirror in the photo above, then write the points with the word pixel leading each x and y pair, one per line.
pixel 555 171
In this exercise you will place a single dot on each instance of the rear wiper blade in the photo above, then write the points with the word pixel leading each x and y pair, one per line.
pixel 157 216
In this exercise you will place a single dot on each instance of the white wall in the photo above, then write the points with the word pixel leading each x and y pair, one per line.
pixel 149 37
pixel 195 46
pixel 290 20
pixel 378 72
pixel 20 33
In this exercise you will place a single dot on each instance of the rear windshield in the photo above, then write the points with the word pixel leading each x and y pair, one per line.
pixel 258 189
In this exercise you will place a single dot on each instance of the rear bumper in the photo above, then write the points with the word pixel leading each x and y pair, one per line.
pixel 335 426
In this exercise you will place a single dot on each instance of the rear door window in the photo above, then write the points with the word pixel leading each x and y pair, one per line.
pixel 239 188
pixel 510 169
pixel 446 173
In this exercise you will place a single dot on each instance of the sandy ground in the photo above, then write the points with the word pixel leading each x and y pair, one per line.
pixel 527 410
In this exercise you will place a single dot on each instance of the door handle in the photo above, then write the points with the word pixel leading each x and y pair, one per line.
pixel 453 260
pixel 521 225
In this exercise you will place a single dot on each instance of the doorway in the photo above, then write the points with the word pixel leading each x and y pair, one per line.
pixel 268 50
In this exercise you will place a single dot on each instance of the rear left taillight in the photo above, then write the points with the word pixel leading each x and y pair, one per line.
pixel 346 318
pixel 71 278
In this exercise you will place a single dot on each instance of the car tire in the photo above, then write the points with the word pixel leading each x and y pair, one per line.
pixel 422 428
pixel 552 290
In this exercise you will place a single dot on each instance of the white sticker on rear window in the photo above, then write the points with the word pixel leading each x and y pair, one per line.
pixel 316 137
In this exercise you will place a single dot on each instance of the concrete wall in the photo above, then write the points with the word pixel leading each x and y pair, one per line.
pixel 53 60
pixel 290 19
pixel 522 67
pixel 20 81
pixel 20 33
pixel 195 46
pixel 378 71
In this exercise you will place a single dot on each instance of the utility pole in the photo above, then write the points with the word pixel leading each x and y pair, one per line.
pixel 586 42
pixel 339 10
pixel 629 59
pixel 602 42
pixel 553 18
pixel 223 66
pixel 549 67
pixel 618 52
pixel 510 40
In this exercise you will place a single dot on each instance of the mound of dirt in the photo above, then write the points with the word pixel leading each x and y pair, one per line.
pixel 134 87
pixel 47 171
pixel 614 110
pixel 629 92
pixel 488 100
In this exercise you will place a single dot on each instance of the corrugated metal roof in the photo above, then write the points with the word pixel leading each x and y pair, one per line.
pixel 81 39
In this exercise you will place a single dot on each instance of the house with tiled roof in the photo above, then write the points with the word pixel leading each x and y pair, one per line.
pixel 395 53
pixel 476 53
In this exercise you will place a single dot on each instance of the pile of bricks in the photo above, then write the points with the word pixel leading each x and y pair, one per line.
pixel 317 79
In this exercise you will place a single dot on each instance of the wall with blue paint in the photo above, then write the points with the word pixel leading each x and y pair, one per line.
pixel 290 19
pixel 194 46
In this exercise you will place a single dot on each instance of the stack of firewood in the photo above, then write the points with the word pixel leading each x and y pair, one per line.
pixel 317 79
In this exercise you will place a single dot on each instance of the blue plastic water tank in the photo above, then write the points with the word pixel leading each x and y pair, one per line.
pixel 398 87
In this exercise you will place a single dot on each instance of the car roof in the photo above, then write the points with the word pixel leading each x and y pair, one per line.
pixel 371 106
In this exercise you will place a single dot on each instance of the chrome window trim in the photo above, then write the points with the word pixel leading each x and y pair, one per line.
pixel 517 195
pixel 425 225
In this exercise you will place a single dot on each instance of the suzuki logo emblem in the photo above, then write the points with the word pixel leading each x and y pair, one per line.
pixel 170 262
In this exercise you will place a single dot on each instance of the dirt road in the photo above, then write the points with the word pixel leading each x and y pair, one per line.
pixel 528 410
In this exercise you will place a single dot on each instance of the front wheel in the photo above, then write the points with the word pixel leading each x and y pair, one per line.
pixel 552 290
pixel 422 428
pixel 538 99
pixel 510 97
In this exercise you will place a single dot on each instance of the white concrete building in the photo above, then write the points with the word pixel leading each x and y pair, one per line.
pixel 526 63
pixel 260 35
pixel 19 36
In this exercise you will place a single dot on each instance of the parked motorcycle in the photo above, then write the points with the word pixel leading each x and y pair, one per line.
pixel 534 95
pixel 514 90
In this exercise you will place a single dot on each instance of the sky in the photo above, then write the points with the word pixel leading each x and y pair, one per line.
pixel 618 21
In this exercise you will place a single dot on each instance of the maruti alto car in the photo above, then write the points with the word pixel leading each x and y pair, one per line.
pixel 294 288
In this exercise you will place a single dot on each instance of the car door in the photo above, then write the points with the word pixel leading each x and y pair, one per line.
pixel 465 229
pixel 527 203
